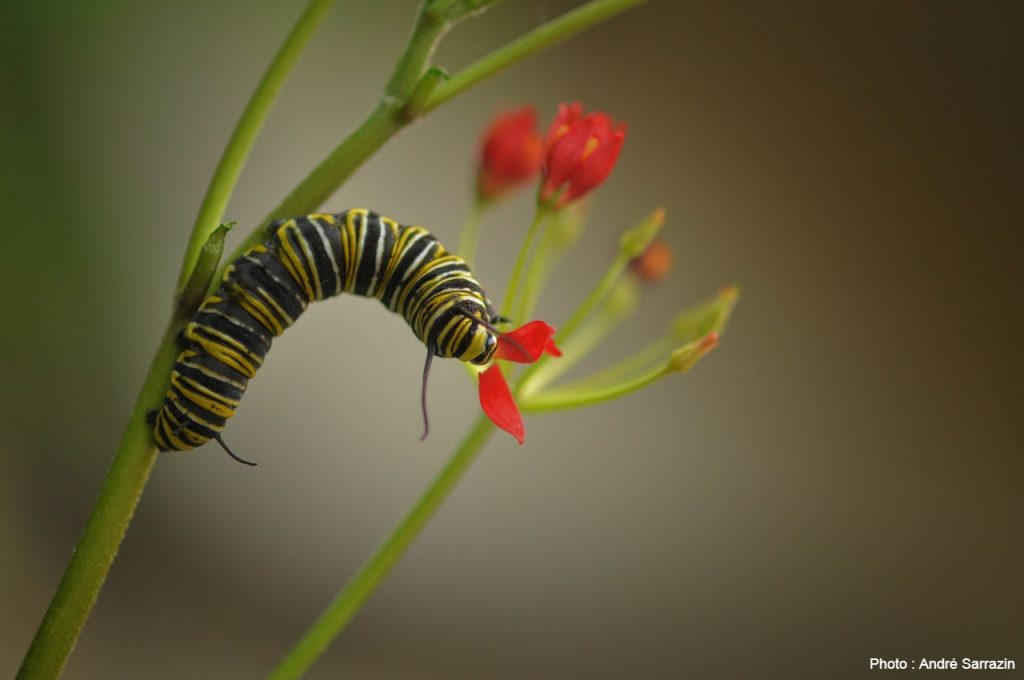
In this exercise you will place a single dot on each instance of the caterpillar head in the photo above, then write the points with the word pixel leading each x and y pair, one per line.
pixel 473 337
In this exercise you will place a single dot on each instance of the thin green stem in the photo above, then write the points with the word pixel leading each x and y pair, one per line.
pixel 597 295
pixel 345 605
pixel 536 276
pixel 572 397
pixel 641 360
pixel 552 33
pixel 515 278
pixel 595 330
pixel 389 117
pixel 225 177
pixel 469 237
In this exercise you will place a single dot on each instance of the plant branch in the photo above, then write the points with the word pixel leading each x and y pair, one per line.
pixel 225 177
pixel 389 117
pixel 552 33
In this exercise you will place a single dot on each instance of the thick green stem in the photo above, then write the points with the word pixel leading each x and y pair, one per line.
pixel 345 605
pixel 211 212
pixel 98 544
pixel 130 469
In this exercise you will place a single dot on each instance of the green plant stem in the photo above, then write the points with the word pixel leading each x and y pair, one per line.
pixel 98 544
pixel 553 32
pixel 597 295
pixel 653 353
pixel 536 276
pixel 469 237
pixel 572 397
pixel 133 461
pixel 345 605
pixel 517 269
pixel 582 313
pixel 580 345
pixel 389 117
pixel 225 177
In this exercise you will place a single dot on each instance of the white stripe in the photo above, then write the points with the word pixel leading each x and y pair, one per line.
pixel 334 262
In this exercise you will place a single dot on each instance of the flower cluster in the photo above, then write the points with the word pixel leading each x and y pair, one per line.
pixel 575 157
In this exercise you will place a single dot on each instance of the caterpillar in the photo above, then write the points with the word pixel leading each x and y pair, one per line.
pixel 306 259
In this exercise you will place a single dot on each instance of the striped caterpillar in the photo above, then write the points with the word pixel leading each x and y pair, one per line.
pixel 306 259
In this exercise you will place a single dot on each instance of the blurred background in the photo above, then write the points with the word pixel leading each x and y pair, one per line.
pixel 841 479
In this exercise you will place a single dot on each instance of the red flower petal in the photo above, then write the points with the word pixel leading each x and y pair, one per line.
pixel 527 343
pixel 579 153
pixel 497 402
pixel 567 115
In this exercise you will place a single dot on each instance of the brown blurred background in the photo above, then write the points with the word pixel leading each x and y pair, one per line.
pixel 840 480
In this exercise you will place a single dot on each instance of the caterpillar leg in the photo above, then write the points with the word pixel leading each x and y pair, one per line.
pixel 181 340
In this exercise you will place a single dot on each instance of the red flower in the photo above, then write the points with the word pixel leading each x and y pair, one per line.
pixel 653 264
pixel 580 152
pixel 524 345
pixel 510 155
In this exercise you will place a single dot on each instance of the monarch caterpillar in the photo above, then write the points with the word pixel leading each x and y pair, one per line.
pixel 306 259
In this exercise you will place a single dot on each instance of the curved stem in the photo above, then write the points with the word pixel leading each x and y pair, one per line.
pixel 345 605
pixel 570 397
pixel 211 212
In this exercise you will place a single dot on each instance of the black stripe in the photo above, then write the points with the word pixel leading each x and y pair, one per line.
pixel 267 272
pixel 311 232
pixel 367 271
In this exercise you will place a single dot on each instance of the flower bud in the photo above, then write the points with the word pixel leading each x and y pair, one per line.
pixel 653 264
pixel 579 154
pixel 510 155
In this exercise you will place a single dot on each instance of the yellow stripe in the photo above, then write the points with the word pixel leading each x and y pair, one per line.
pixel 311 262
pixel 175 441
pixel 326 217
pixel 193 418
pixel 259 311
pixel 203 397
pixel 185 360
pixel 223 353
pixel 290 259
